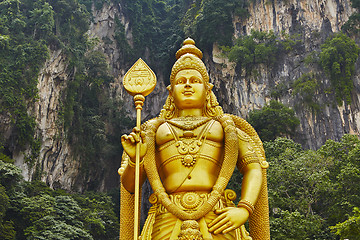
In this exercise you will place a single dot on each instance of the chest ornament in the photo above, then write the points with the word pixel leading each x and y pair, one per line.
pixel 187 146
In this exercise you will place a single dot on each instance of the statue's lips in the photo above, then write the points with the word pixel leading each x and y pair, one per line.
pixel 188 93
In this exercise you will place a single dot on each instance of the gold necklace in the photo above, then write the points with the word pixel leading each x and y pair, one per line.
pixel 189 148
pixel 188 125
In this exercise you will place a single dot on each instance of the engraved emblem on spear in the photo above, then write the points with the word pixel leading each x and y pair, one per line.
pixel 139 81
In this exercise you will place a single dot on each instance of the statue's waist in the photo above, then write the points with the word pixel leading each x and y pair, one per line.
pixel 191 201
pixel 176 177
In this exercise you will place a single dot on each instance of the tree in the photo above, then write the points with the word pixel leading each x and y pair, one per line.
pixel 294 225
pixel 42 19
pixel 345 174
pixel 305 87
pixel 10 175
pixel 60 220
pixel 7 231
pixel 257 48
pixel 273 120
pixel 350 228
pixel 337 57
pixel 298 180
pixel 312 190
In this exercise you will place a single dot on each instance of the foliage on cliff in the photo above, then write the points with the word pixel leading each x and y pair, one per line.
pixel 211 21
pixel 254 49
pixel 159 27
pixel 274 120
pixel 259 47
pixel 337 57
pixel 305 87
pixel 21 56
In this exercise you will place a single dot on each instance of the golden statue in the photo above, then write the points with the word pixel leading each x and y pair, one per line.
pixel 188 153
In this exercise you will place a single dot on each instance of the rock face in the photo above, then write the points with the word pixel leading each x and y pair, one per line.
pixel 103 28
pixel 314 21
pixel 59 168
pixel 238 94
pixel 285 16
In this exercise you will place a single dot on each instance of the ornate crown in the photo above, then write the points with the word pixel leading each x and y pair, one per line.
pixel 189 57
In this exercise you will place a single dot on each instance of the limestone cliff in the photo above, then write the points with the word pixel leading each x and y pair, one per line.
pixel 314 21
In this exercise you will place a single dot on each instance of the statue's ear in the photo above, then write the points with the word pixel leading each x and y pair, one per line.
pixel 210 86
pixel 169 89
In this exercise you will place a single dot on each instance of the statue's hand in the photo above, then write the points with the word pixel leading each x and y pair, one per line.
pixel 129 143
pixel 229 219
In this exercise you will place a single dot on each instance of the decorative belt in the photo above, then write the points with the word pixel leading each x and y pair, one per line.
pixel 191 201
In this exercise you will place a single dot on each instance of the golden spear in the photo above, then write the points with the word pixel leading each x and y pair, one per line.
pixel 139 81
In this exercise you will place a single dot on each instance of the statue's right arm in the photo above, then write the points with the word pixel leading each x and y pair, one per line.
pixel 128 160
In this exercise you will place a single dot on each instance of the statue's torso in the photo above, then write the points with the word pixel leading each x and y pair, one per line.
pixel 189 163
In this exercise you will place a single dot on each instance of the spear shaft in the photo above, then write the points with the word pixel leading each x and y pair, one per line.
pixel 139 101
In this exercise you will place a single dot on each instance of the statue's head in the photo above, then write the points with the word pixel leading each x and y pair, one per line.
pixel 190 66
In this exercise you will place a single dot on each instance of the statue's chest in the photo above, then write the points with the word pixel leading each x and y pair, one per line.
pixel 188 145
pixel 186 132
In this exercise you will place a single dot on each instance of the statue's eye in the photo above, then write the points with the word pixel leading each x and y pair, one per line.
pixel 180 81
pixel 195 80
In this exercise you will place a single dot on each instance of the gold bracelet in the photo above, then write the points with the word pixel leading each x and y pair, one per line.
pixel 247 205
pixel 132 164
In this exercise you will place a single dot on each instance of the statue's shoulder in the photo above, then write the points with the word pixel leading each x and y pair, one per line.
pixel 152 124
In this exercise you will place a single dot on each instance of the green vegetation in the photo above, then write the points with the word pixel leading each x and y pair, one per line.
pixel 155 27
pixel 337 57
pixel 312 190
pixel 86 112
pixel 305 87
pixel 279 90
pixel 160 26
pixel 273 120
pixel 211 21
pixel 349 229
pixel 259 48
pixel 21 56
pixel 27 29
pixel 31 210
pixel 352 26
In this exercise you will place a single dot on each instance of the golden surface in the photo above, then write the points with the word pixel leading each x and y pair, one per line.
pixel 188 154
pixel 139 79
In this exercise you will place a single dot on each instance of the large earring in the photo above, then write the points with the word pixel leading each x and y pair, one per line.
pixel 169 110
pixel 210 110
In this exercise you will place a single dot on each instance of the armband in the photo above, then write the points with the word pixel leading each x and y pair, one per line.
pixel 246 160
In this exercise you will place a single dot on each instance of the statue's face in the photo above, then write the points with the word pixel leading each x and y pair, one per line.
pixel 189 89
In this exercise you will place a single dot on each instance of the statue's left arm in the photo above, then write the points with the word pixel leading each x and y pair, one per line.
pixel 231 218
pixel 249 165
